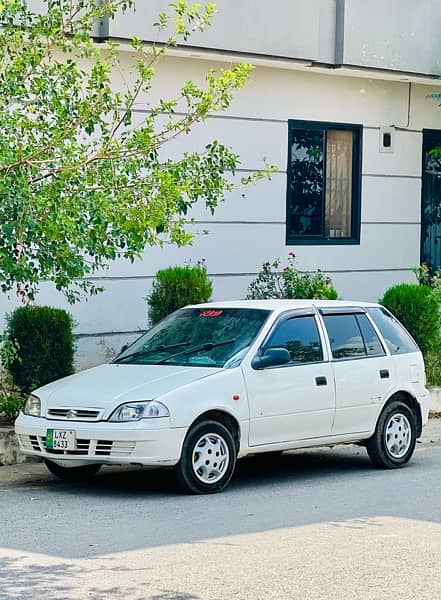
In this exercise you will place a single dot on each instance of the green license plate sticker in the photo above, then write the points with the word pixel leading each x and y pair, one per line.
pixel 60 439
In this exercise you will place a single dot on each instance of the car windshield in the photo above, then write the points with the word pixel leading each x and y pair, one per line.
pixel 204 337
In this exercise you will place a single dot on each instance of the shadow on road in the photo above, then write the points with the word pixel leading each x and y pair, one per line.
pixel 260 470
pixel 23 581
pixel 138 508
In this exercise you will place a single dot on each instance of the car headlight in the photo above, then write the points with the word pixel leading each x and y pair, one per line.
pixel 32 406
pixel 135 411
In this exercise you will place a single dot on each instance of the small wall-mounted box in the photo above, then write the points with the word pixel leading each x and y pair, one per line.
pixel 387 135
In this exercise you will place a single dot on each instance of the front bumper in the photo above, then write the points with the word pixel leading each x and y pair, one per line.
pixel 147 442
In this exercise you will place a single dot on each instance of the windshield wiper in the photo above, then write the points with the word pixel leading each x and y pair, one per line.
pixel 199 348
pixel 160 348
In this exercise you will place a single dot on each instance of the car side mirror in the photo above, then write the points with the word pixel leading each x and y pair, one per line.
pixel 272 357
pixel 123 348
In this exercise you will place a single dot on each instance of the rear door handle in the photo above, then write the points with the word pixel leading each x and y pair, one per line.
pixel 321 381
pixel 384 373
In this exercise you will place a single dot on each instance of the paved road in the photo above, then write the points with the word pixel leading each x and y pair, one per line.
pixel 316 525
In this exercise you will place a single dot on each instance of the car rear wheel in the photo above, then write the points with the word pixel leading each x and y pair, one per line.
pixel 208 458
pixel 393 442
pixel 72 473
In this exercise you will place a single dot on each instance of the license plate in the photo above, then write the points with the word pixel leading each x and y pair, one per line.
pixel 60 439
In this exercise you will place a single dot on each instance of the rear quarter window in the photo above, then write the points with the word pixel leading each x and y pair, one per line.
pixel 396 337
pixel 344 336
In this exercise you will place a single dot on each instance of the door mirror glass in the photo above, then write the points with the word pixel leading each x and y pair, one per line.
pixel 272 357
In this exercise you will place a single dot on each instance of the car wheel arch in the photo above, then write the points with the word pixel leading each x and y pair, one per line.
pixel 411 402
pixel 225 418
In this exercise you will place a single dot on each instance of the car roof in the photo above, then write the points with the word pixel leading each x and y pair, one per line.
pixel 282 305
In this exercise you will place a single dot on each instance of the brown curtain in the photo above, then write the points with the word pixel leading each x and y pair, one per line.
pixel 338 183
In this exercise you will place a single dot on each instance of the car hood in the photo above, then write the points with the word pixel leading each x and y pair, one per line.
pixel 112 384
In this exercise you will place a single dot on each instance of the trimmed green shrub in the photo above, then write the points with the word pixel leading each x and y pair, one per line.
pixel 176 287
pixel 417 307
pixel 428 277
pixel 289 282
pixel 433 368
pixel 10 405
pixel 44 345
pixel 11 398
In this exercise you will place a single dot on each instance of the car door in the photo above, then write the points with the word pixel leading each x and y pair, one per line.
pixel 364 373
pixel 294 401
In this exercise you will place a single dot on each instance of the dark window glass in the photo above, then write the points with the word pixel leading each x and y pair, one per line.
pixel 344 336
pixel 306 183
pixel 300 337
pixel 396 337
pixel 371 340
pixel 323 198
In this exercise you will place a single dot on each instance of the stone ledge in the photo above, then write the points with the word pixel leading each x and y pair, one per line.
pixel 435 400
pixel 9 448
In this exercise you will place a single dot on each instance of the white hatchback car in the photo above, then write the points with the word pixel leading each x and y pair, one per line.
pixel 215 382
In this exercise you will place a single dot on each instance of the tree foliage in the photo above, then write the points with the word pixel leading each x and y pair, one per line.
pixel 81 182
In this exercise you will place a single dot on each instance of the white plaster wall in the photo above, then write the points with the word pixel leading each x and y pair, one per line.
pixel 246 231
pixel 303 28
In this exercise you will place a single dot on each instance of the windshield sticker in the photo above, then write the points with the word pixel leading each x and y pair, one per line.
pixel 211 313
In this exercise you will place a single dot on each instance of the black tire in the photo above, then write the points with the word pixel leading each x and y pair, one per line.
pixel 187 475
pixel 72 473
pixel 377 446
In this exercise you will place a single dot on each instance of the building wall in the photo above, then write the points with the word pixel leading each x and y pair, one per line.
pixel 396 35
pixel 304 29
pixel 400 35
pixel 245 232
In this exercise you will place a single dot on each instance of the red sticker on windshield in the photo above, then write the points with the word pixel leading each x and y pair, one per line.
pixel 211 313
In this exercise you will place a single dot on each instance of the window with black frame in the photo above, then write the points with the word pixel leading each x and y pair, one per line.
pixel 324 183
pixel 300 336
pixel 352 336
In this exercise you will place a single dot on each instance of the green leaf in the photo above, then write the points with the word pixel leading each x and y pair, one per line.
pixel 82 181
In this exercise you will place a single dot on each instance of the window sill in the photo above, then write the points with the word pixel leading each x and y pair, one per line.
pixel 316 241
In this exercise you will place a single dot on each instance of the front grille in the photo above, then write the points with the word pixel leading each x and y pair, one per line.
pixel 108 448
pixel 74 414
pixel 84 447
pixel 35 443
pixel 103 447
pixel 29 442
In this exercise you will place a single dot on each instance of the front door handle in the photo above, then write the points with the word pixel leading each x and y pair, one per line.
pixel 384 373
pixel 321 381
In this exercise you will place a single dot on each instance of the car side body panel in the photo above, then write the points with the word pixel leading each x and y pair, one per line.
pixel 351 408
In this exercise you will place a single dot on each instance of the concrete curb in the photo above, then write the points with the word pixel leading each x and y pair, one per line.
pixel 10 450
pixel 435 400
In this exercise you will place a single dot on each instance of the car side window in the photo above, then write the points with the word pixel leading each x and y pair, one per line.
pixel 396 337
pixel 344 336
pixel 374 347
pixel 300 336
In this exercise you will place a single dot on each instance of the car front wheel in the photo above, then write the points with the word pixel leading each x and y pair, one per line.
pixel 72 473
pixel 208 458
pixel 393 442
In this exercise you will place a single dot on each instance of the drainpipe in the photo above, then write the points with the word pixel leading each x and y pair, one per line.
pixel 100 31
pixel 340 10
